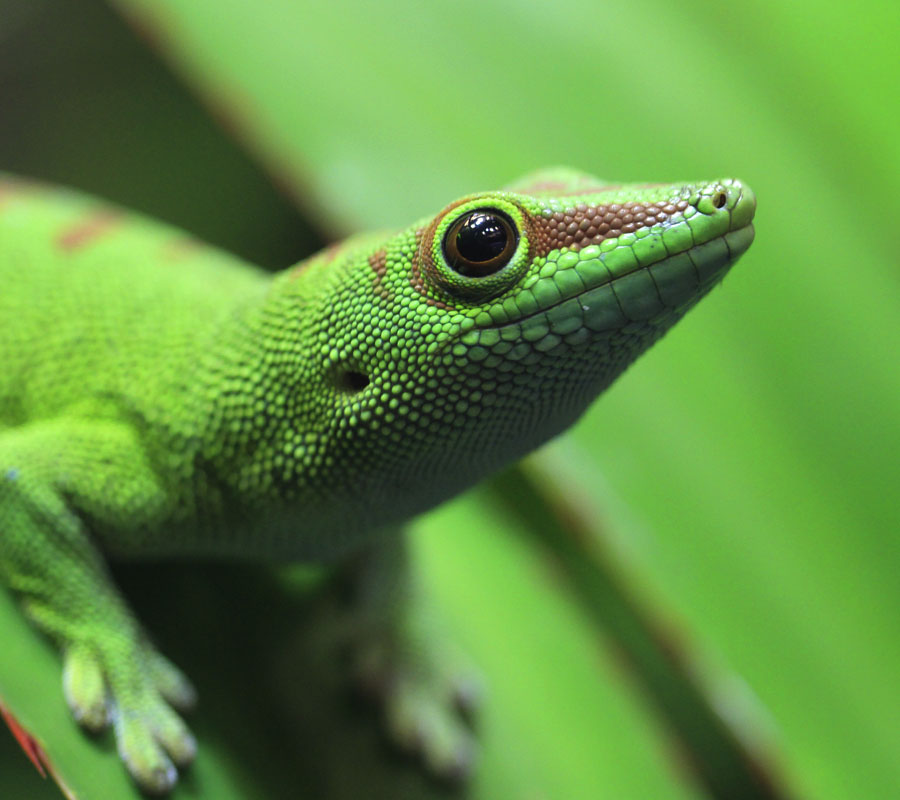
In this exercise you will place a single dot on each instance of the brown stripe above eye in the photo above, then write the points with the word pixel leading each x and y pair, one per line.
pixel 584 225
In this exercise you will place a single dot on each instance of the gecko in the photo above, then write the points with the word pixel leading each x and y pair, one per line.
pixel 160 398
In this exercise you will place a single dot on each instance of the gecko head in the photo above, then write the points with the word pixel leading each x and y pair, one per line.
pixel 476 335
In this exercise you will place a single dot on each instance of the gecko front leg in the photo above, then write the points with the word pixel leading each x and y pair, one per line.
pixel 112 675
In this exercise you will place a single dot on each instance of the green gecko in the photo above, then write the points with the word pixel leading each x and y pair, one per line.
pixel 159 398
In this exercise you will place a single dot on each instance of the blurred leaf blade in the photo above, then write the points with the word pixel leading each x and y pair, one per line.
pixel 581 735
pixel 540 494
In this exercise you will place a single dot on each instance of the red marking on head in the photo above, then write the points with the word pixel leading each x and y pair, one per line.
pixel 595 189
pixel 565 189
pixel 324 257
pixel 27 742
pixel 88 230
pixel 378 263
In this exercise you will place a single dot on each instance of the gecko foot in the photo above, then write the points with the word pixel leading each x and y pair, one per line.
pixel 428 698
pixel 133 688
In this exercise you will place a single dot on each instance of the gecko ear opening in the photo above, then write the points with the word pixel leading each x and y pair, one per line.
pixel 351 381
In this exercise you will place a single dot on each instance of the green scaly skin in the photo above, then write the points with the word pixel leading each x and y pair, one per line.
pixel 159 398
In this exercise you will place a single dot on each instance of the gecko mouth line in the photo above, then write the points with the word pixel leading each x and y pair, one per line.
pixel 706 272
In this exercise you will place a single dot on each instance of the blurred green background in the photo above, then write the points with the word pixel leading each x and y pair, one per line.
pixel 742 478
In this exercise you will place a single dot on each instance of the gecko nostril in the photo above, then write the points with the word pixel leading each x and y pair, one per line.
pixel 710 203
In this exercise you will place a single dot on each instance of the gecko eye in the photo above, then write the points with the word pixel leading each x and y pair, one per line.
pixel 480 243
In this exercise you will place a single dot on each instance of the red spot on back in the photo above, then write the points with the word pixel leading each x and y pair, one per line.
pixel 27 742
pixel 9 188
pixel 88 230
pixel 181 247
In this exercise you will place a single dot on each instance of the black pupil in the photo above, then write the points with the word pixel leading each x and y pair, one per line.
pixel 482 237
